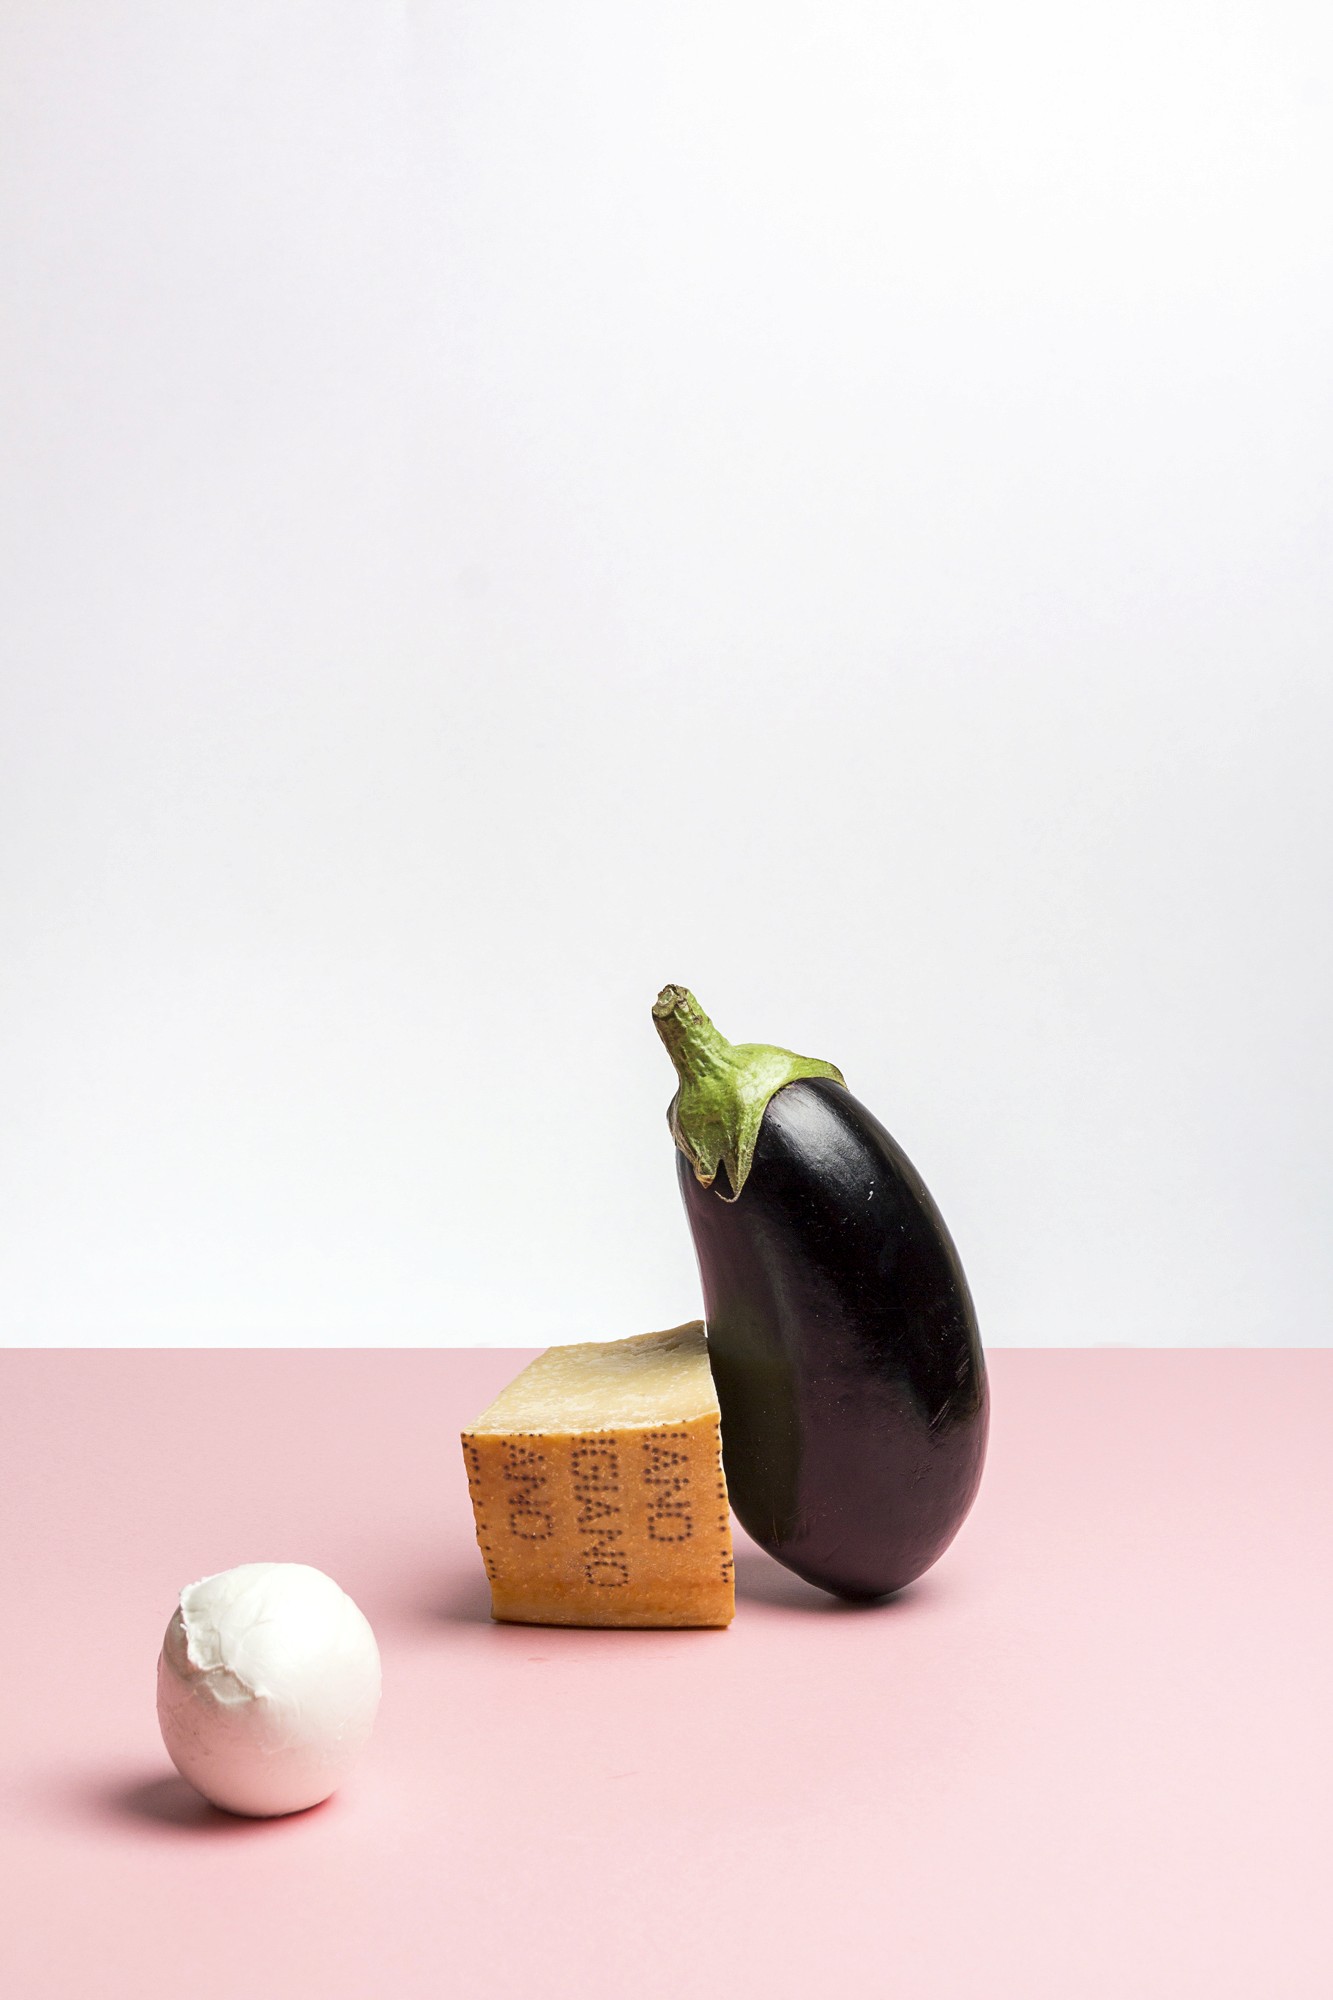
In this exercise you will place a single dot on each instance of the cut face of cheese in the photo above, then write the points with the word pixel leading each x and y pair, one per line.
pixel 596 1481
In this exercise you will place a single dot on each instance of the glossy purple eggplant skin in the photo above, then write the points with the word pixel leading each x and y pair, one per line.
pixel 844 1348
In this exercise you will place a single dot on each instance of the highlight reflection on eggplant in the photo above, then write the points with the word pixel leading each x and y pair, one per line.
pixel 841 1331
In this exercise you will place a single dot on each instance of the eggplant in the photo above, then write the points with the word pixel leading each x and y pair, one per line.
pixel 841 1332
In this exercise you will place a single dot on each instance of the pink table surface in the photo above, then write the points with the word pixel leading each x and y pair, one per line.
pixel 1089 1755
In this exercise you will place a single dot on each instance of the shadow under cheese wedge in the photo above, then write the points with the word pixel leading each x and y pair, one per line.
pixel 841 1332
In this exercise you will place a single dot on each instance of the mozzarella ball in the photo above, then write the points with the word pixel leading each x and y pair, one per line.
pixel 267 1687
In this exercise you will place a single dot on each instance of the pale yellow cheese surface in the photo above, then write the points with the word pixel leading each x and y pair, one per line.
pixel 597 1485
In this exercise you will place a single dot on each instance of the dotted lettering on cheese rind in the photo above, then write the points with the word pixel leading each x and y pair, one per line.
pixel 728 1570
pixel 667 1478
pixel 472 1459
pixel 529 1519
pixel 594 1471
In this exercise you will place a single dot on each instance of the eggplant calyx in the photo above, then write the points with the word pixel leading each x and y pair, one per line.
pixel 724 1091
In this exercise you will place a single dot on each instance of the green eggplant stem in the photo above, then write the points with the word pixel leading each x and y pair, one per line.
pixel 724 1091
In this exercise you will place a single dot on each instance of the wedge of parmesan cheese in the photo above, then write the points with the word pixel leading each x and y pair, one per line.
pixel 597 1485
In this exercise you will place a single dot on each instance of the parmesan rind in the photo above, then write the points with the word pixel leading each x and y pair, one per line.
pixel 597 1485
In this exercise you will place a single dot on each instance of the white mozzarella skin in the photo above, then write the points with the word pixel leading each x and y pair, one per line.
pixel 267 1687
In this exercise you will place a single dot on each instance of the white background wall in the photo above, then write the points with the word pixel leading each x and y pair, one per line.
pixel 505 506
